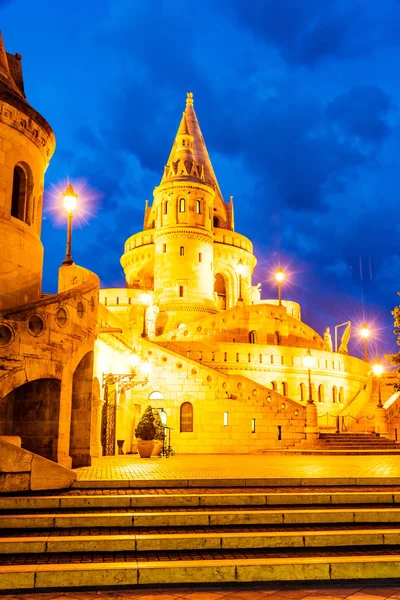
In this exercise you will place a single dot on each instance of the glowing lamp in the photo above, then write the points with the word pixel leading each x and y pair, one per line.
pixel 364 331
pixel 134 358
pixel 70 198
pixel 146 368
pixel 145 298
pixel 279 275
pixel 308 360
pixel 240 268
pixel 377 369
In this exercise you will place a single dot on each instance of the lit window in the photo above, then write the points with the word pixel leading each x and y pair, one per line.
pixel 198 207
pixel 182 205
pixel 182 251
pixel 253 426
pixel 226 419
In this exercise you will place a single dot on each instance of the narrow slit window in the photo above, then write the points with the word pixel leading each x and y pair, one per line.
pixel 181 291
pixel 182 204
pixel 200 257
pixel 198 207
pixel 253 426
pixel 164 248
pixel 226 419
pixel 182 251
pixel 166 208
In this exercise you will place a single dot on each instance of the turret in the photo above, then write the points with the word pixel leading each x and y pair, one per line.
pixel 26 145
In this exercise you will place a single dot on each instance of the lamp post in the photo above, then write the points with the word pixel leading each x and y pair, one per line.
pixel 145 298
pixel 240 270
pixel 377 370
pixel 279 276
pixel 118 383
pixel 365 333
pixel 70 198
pixel 308 362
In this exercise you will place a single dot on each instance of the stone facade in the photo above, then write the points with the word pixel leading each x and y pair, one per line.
pixel 226 367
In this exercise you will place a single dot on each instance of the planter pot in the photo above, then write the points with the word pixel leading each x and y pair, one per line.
pixel 145 448
pixel 157 447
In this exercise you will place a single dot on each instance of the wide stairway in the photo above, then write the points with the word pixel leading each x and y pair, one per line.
pixel 137 537
pixel 356 441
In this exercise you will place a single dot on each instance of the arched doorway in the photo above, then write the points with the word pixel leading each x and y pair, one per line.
pixel 81 411
pixel 32 412
pixel 220 289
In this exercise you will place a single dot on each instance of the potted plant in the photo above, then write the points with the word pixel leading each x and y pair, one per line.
pixel 159 434
pixel 145 432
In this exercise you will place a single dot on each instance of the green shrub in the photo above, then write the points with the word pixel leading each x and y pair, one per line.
pixel 145 429
pixel 159 427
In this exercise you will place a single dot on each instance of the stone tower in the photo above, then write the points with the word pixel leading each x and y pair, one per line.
pixel 187 209
pixel 27 144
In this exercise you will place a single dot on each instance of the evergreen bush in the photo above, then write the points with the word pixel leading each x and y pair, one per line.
pixel 145 429
pixel 159 427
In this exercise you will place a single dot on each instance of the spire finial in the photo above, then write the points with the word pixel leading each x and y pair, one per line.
pixel 189 99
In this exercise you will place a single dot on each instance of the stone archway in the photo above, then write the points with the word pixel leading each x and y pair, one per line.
pixel 81 411
pixel 220 290
pixel 32 411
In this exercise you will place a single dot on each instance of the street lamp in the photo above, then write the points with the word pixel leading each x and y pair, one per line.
pixel 377 370
pixel 240 268
pixel 145 299
pixel 309 362
pixel 70 198
pixel 279 276
pixel 365 333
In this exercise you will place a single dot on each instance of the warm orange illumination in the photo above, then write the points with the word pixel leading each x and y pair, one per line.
pixel 308 360
pixel 279 275
pixel 364 331
pixel 145 298
pixel 377 369
pixel 134 358
pixel 240 267
pixel 146 368
pixel 70 198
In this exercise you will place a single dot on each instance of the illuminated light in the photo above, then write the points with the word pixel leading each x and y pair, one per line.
pixel 70 198
pixel 146 367
pixel 279 275
pixel 240 267
pixel 377 369
pixel 308 359
pixel 134 358
pixel 364 331
pixel 145 298
pixel 181 326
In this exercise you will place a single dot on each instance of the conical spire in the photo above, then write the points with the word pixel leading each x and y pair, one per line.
pixel 203 167
pixel 5 75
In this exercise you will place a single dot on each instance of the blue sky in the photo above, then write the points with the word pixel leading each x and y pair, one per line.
pixel 298 102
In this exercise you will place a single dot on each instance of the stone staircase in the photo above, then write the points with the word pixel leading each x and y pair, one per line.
pixel 346 443
pixel 136 537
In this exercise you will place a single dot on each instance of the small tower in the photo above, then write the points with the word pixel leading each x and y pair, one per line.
pixel 183 214
pixel 27 144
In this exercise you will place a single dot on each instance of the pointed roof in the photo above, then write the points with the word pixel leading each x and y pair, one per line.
pixel 5 75
pixel 189 126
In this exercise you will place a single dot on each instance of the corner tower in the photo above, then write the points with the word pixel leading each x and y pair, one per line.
pixel 26 146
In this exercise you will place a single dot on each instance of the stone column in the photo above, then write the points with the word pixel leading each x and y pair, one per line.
pixel 311 428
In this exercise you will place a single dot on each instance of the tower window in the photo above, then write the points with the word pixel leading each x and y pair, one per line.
pixel 253 426
pixel 198 207
pixel 181 291
pixel 226 419
pixel 200 257
pixel 216 222
pixel 166 208
pixel 164 248
pixel 182 251
pixel 182 203
pixel 21 192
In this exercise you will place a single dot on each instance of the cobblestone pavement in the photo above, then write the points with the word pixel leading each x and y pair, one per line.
pixel 228 466
pixel 348 590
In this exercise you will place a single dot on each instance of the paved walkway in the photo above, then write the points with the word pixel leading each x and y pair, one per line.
pixel 349 591
pixel 223 466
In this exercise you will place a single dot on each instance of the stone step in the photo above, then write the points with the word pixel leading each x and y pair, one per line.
pixel 189 540
pixel 16 503
pixel 190 568
pixel 200 518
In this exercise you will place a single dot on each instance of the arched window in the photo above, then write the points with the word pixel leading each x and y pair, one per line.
pixel 277 338
pixel 182 204
pixel 156 396
pixel 273 386
pixel 186 417
pixel 21 193
pixel 220 289
pixel 253 337
pixel 334 394
pixel 216 222
pixel 303 392
pixel 341 395
pixel 321 393
pixel 284 388
pixel 198 207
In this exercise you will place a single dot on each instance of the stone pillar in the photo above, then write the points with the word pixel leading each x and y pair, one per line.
pixel 311 428
pixel 381 422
